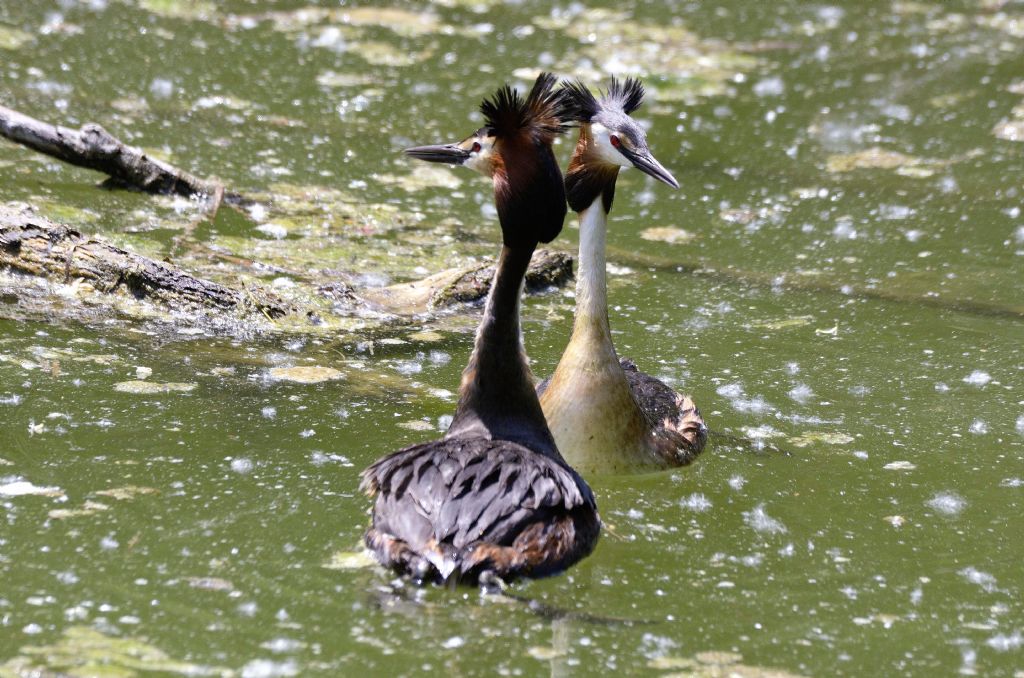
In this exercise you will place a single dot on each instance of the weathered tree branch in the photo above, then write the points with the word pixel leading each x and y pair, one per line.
pixel 37 246
pixel 33 245
pixel 94 148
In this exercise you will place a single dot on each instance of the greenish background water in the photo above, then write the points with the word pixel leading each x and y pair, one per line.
pixel 847 289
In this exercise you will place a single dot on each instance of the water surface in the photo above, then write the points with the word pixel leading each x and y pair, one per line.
pixel 847 296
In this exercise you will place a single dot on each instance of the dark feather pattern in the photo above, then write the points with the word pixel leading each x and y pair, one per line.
pixel 454 508
pixel 544 113
pixel 623 96
pixel 678 432
pixel 626 95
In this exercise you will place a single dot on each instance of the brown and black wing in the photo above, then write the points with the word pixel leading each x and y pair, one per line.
pixel 458 507
pixel 678 429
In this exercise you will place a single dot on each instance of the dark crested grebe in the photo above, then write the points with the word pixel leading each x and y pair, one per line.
pixel 493 497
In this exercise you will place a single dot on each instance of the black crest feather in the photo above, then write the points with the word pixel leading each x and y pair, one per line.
pixel 544 114
pixel 628 94
pixel 623 95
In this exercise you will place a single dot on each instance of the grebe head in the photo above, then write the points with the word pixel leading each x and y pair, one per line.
pixel 475 152
pixel 513 148
pixel 611 136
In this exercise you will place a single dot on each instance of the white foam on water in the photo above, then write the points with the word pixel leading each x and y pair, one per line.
pixel 978 378
pixel 983 579
pixel 696 502
pixel 761 522
pixel 947 503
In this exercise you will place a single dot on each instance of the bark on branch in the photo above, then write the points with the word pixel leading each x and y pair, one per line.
pixel 37 246
pixel 94 148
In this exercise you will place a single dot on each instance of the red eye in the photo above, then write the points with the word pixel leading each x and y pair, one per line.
pixel 615 141
pixel 476 147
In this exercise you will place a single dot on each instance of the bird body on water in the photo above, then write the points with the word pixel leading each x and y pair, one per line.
pixel 494 497
pixel 606 415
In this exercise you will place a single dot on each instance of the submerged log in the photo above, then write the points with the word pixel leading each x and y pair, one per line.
pixel 34 245
pixel 94 148
pixel 548 269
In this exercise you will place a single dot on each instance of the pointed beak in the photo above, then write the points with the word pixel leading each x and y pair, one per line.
pixel 645 162
pixel 451 154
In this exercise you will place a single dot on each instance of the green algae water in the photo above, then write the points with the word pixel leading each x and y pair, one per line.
pixel 838 283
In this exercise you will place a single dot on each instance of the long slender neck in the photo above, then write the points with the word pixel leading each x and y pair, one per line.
pixel 497 397
pixel 591 283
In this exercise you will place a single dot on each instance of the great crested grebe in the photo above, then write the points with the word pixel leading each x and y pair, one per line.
pixel 606 415
pixel 494 496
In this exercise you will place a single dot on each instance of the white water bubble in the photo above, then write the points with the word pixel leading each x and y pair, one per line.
pixel 1020 424
pixel 1003 643
pixel 269 412
pixel 986 581
pixel 801 393
pixel 737 482
pixel 453 642
pixel 267 668
pixel 844 230
pixel 978 378
pixel 696 502
pixel 242 465
pixel 978 427
pixel 760 521
pixel 947 503
pixel 161 88
pixel 440 358
pixel 772 86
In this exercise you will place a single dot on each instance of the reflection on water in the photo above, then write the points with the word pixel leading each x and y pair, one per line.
pixel 836 283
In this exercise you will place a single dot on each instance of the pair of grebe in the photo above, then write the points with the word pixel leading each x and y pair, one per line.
pixel 496 498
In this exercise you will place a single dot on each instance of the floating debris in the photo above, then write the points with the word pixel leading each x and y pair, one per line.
pixel 544 653
pixel 305 375
pixel 417 425
pixel 84 651
pixel 422 176
pixel 900 466
pixel 714 663
pixel 823 437
pixel 88 508
pixel 152 387
pixel 127 492
pixel 12 38
pixel 350 560
pixel 895 521
pixel 180 9
pixel 210 583
pixel 784 323
pixel 673 236
pixel 880 158
pixel 21 488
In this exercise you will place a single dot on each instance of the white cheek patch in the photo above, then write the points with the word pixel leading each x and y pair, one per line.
pixel 603 144
pixel 481 161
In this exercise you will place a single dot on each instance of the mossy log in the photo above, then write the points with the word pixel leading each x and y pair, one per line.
pixel 34 245
pixel 548 269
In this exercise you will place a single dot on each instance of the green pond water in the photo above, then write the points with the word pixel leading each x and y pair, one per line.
pixel 838 283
